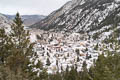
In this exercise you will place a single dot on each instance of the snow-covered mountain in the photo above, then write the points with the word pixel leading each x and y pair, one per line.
pixel 64 43
pixel 96 17
pixel 28 19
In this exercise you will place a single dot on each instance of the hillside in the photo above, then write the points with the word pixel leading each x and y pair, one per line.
pixel 28 19
pixel 5 23
pixel 95 17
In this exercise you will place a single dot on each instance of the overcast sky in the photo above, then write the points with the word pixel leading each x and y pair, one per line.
pixel 43 7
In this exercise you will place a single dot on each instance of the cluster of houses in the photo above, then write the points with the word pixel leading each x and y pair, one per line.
pixel 58 51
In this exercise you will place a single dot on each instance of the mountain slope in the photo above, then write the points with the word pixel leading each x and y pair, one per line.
pixel 91 16
pixel 28 19
pixel 4 22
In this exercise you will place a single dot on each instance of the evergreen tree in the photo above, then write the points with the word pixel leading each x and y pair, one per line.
pixel 84 73
pixel 16 52
pixel 77 51
pixel 22 49
pixel 56 76
pixel 78 59
pixel 48 62
pixel 107 66
pixel 101 70
pixel 96 47
pixel 3 46
pixel 48 54
pixel 73 74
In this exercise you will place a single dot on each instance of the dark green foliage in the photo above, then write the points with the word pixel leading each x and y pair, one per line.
pixel 3 46
pixel 86 49
pixel 96 47
pixel 48 54
pixel 84 73
pixel 48 62
pixel 16 51
pixel 77 51
pixel 72 74
pixel 107 66
pixel 96 36
pixel 21 51
pixel 57 76
pixel 78 59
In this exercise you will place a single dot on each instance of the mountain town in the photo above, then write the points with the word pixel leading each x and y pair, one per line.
pixel 63 50
pixel 78 41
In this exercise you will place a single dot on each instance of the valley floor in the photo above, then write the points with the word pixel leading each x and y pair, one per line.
pixel 57 51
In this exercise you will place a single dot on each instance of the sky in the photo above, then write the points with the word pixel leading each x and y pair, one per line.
pixel 28 7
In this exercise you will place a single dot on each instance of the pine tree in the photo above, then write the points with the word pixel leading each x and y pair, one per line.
pixel 48 54
pixel 77 51
pixel 21 50
pixel 48 62
pixel 84 73
pixel 3 53
pixel 5 46
pixel 43 75
pixel 107 66
pixel 3 73
pixel 73 74
pixel 17 55
pixel 56 76
pixel 78 59
pixel 16 51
